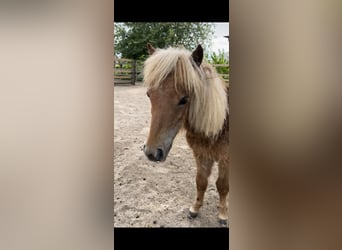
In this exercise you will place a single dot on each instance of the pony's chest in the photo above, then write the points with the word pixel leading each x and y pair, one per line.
pixel 207 147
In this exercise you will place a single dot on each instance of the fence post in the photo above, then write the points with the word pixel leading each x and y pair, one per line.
pixel 134 71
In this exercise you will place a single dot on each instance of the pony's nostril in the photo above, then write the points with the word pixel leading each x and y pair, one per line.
pixel 154 155
pixel 160 154
pixel 151 157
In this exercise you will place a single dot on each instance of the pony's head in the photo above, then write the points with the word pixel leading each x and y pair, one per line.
pixel 182 88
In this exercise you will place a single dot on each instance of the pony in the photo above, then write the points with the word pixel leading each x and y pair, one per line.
pixel 187 93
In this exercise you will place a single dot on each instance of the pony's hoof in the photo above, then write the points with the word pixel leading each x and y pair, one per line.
pixel 192 215
pixel 223 223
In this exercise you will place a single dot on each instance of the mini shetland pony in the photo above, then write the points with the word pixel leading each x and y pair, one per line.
pixel 186 92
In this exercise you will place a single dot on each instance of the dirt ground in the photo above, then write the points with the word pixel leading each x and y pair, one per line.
pixel 149 194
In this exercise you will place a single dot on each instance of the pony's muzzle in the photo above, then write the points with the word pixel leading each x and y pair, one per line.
pixel 154 154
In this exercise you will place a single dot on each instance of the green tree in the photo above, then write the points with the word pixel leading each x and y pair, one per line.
pixel 219 58
pixel 130 38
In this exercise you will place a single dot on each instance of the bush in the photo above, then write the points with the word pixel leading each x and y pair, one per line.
pixel 220 58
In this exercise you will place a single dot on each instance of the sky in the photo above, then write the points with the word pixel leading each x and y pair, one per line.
pixel 221 42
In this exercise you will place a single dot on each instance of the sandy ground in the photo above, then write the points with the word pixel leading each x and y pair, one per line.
pixel 148 194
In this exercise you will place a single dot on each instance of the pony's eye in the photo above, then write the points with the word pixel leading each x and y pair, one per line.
pixel 148 95
pixel 183 100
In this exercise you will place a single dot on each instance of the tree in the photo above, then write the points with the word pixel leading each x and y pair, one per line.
pixel 219 58
pixel 130 38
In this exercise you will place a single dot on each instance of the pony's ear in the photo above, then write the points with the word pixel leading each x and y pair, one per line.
pixel 197 55
pixel 150 49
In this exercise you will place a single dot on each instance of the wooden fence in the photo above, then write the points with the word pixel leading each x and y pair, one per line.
pixel 225 76
pixel 124 71
pixel 128 71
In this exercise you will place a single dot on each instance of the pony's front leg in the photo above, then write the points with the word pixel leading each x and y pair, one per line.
pixel 222 185
pixel 203 172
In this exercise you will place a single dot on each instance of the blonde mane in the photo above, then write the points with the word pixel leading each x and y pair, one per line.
pixel 209 104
